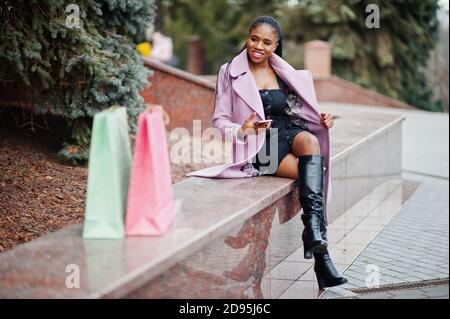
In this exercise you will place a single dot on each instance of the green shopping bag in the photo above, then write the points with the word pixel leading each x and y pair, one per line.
pixel 108 175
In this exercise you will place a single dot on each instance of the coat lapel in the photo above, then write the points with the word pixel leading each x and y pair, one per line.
pixel 246 88
pixel 300 81
pixel 245 85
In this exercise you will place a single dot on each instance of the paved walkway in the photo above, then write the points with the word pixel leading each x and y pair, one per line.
pixel 413 246
pixel 392 243
pixel 348 236
pixel 431 292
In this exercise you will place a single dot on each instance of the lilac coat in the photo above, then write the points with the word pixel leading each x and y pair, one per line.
pixel 242 98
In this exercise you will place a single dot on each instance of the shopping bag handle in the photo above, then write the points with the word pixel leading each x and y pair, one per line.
pixel 152 107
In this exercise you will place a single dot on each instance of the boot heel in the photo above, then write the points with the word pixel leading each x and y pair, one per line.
pixel 321 282
pixel 307 253
pixel 326 273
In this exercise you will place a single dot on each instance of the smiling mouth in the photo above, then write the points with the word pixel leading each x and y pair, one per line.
pixel 257 54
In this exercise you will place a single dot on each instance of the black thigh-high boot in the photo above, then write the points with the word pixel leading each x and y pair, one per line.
pixel 310 183
pixel 326 273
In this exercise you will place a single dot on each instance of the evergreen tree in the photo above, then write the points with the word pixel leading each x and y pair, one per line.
pixel 221 24
pixel 75 70
pixel 389 59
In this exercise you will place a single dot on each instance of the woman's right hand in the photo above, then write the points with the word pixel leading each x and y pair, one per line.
pixel 250 128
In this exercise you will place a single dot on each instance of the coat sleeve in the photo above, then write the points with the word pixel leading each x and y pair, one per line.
pixel 223 111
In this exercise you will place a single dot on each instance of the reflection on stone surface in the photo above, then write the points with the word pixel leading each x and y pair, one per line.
pixel 234 265
pixel 394 151
pixel 357 176
pixel 254 233
pixel 337 204
pixel 104 260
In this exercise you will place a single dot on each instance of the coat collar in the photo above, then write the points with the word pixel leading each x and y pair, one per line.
pixel 240 64
pixel 245 86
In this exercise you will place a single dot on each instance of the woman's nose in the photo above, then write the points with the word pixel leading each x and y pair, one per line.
pixel 259 45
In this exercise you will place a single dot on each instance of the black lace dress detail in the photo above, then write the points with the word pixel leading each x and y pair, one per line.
pixel 284 107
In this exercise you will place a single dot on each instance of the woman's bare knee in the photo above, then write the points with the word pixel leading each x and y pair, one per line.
pixel 288 167
pixel 305 143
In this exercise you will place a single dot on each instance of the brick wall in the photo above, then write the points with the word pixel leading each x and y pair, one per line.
pixel 184 96
pixel 335 89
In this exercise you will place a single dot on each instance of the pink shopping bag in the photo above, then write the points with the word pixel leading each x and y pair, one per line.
pixel 150 208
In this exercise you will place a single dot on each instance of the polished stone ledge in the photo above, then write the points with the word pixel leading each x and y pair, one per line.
pixel 206 211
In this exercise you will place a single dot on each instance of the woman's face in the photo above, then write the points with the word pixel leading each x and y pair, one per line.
pixel 261 43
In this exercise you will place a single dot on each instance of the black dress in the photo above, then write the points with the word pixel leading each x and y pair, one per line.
pixel 282 130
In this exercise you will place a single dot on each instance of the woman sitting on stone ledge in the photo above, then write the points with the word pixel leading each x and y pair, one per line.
pixel 259 84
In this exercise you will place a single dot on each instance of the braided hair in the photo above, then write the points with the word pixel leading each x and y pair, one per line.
pixel 268 20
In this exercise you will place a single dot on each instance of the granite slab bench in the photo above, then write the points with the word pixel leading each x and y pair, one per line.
pixel 222 242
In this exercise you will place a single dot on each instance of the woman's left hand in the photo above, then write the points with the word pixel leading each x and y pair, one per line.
pixel 327 119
